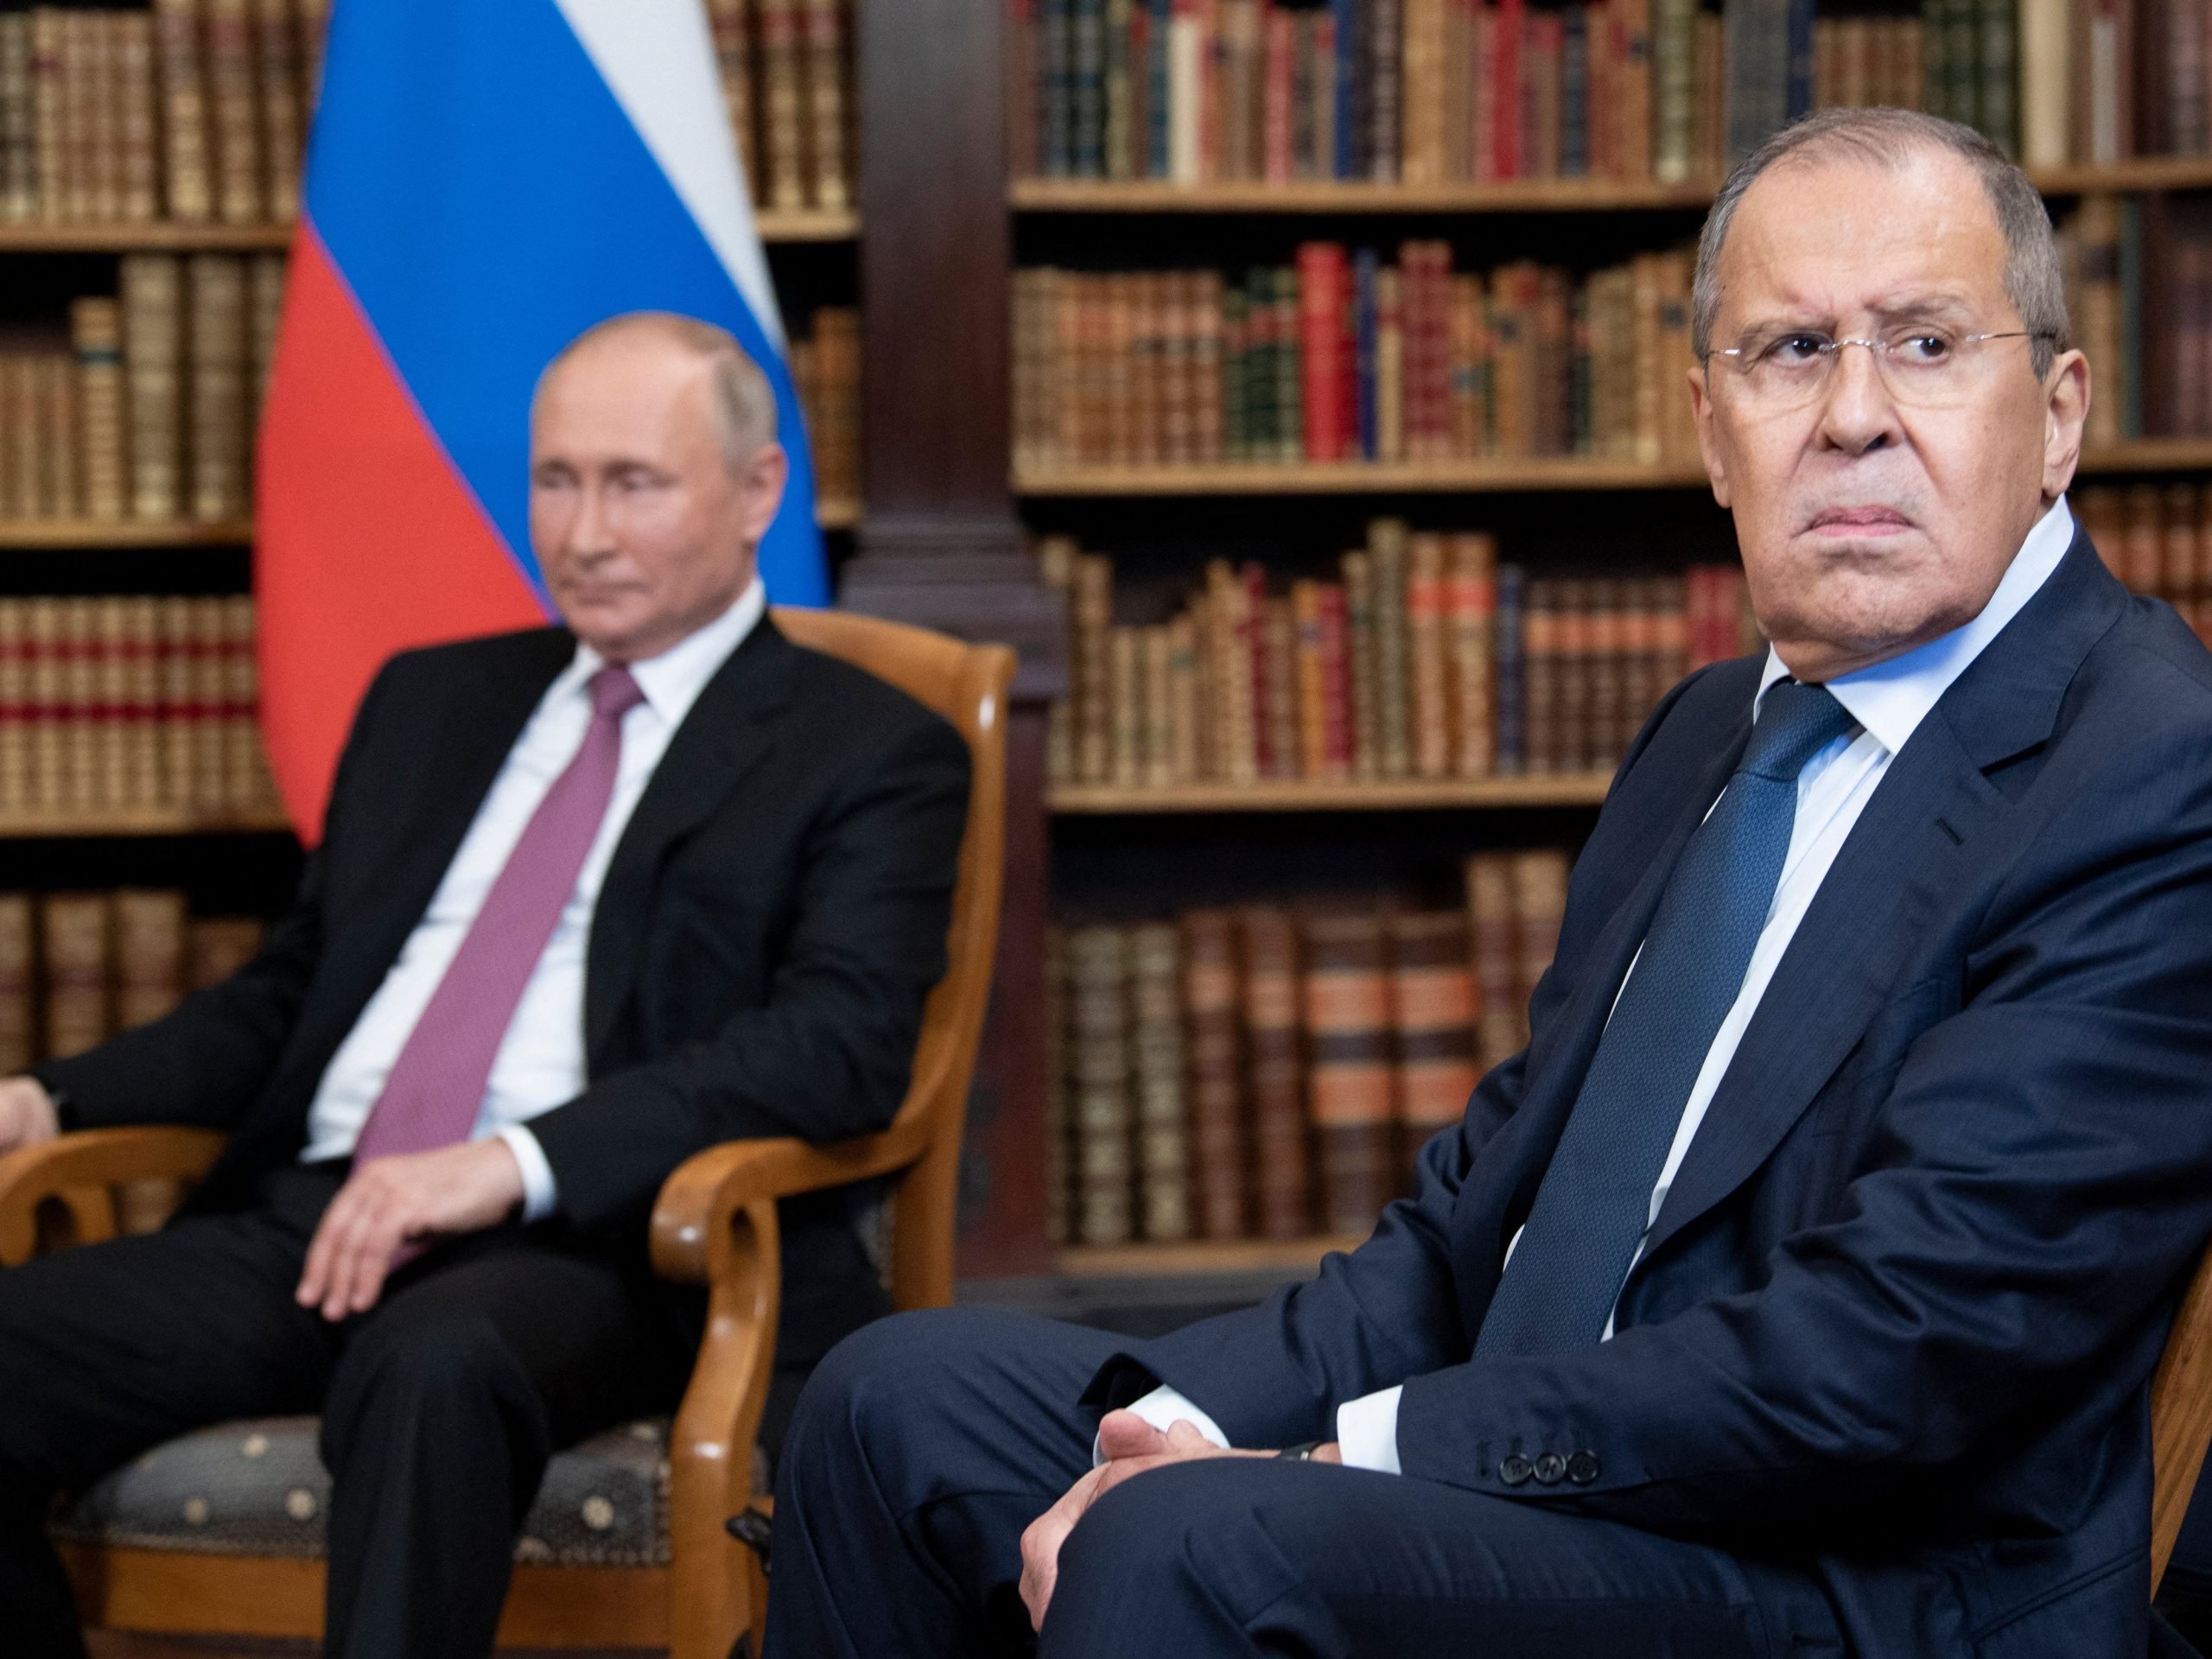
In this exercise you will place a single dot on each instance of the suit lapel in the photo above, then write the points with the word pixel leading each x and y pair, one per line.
pixel 1902 865
pixel 462 756
pixel 729 730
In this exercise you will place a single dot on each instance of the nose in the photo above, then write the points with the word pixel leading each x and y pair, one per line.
pixel 591 533
pixel 1858 414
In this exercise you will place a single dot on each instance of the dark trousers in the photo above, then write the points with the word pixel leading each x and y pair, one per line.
pixel 440 1407
pixel 924 1444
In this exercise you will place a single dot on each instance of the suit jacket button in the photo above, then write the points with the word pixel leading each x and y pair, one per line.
pixel 1583 1468
pixel 1515 1470
pixel 1550 1467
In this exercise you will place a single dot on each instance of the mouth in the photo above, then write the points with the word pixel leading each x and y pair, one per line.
pixel 1860 521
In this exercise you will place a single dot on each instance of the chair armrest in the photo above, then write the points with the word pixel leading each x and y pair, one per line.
pixel 691 1221
pixel 92 1158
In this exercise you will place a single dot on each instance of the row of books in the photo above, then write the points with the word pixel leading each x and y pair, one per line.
pixel 2157 539
pixel 2139 290
pixel 826 371
pixel 194 110
pixel 1267 1071
pixel 1431 91
pixel 76 967
pixel 129 703
pixel 787 76
pixel 146 407
pixel 1425 659
pixel 1339 356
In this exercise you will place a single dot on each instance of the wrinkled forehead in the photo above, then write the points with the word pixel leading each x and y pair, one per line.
pixel 1846 238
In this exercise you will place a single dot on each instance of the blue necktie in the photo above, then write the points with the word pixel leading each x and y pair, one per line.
pixel 1594 1204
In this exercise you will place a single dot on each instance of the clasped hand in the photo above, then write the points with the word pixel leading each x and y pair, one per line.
pixel 1130 1446
pixel 391 1205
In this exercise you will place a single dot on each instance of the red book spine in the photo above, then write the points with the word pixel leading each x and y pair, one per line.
pixel 1281 37
pixel 1323 281
pixel 1209 89
pixel 1336 680
pixel 1264 711
pixel 1505 90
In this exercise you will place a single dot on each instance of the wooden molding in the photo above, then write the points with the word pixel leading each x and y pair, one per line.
pixel 1313 795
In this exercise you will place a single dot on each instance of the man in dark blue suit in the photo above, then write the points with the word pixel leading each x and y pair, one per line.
pixel 1796 1290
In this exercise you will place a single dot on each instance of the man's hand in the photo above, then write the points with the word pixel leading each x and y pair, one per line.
pixel 393 1203
pixel 1131 1446
pixel 27 1113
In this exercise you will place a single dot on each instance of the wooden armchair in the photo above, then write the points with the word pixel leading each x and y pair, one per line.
pixel 2181 1416
pixel 715 1224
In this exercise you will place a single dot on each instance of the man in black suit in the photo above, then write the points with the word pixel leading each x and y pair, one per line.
pixel 1796 1291
pixel 589 901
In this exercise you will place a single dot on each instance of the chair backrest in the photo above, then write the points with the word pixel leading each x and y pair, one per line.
pixel 2181 1416
pixel 966 684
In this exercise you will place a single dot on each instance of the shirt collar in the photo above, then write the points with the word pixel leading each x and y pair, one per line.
pixel 672 681
pixel 1891 699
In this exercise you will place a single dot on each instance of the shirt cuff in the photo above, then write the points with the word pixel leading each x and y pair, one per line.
pixel 1367 1431
pixel 1164 1406
pixel 539 1195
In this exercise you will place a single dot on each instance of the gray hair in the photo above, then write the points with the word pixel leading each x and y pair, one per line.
pixel 2034 278
pixel 744 402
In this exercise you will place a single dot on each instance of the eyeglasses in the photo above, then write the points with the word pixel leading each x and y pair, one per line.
pixel 1922 365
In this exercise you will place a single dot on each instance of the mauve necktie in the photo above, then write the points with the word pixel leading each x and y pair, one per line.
pixel 430 1100
pixel 1595 1201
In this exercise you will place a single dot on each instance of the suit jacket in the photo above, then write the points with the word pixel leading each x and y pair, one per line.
pixel 1894 1321
pixel 773 916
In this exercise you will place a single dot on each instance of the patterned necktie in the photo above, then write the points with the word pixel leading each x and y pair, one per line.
pixel 430 1099
pixel 1595 1200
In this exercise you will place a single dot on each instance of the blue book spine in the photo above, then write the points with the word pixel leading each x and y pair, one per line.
pixel 1090 64
pixel 1507 659
pixel 1364 265
pixel 1059 88
pixel 1347 35
pixel 1574 93
pixel 1799 94
pixel 1163 13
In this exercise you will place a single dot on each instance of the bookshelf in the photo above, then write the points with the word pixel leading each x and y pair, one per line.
pixel 1329 197
pixel 75 535
pixel 125 823
pixel 1242 1255
pixel 1464 794
pixel 778 227
pixel 1565 474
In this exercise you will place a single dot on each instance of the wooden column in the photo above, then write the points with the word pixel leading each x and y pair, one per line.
pixel 939 544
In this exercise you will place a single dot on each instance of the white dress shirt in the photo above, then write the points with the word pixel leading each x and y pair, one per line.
pixel 540 1062
pixel 1888 701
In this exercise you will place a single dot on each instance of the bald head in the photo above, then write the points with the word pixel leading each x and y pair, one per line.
pixel 654 473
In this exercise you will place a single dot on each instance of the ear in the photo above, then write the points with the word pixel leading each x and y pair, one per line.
pixel 1708 437
pixel 2065 416
pixel 760 489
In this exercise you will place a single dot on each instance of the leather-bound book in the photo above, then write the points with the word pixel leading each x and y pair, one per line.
pixel 153 336
pixel 215 947
pixel 1495 958
pixel 1157 1062
pixel 1539 905
pixel 1275 1073
pixel 75 944
pixel 1347 1008
pixel 148 955
pixel 1432 1010
pixel 1099 1051
pixel 1220 1140
pixel 239 172
pixel 18 1000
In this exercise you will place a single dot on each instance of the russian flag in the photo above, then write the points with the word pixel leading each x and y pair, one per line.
pixel 485 180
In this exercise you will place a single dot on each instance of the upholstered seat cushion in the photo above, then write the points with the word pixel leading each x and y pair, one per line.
pixel 259 1489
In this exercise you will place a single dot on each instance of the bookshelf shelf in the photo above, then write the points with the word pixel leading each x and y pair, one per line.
pixel 163 236
pixel 1539 473
pixel 807 225
pixel 103 822
pixel 1227 1255
pixel 150 236
pixel 1489 475
pixel 73 534
pixel 1353 196
pixel 1324 196
pixel 1441 794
